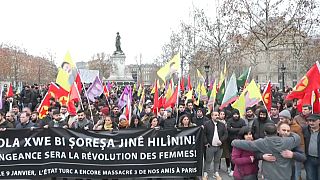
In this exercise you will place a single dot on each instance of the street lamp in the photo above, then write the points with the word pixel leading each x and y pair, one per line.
pixel 282 68
pixel 206 69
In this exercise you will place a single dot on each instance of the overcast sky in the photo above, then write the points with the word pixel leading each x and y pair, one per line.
pixel 86 27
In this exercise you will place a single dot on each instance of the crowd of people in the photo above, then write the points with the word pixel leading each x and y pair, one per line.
pixel 276 145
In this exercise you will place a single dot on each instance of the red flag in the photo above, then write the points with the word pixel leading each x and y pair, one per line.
pixel 156 98
pixel 44 105
pixel 78 83
pixel 182 84
pixel 315 101
pixel 307 84
pixel 74 93
pixel 173 100
pixel 105 91
pixel 10 91
pixel 189 83
pixel 267 96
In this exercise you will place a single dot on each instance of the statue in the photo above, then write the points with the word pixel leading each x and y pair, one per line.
pixel 118 44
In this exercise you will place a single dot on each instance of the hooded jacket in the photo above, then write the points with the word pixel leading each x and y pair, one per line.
pixel 280 169
pixel 259 124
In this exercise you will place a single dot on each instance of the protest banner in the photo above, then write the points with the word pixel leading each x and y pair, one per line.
pixel 58 152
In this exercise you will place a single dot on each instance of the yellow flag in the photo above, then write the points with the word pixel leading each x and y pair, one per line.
pixel 141 102
pixel 139 90
pixel 169 91
pixel 154 86
pixel 249 97
pixel 189 95
pixel 213 96
pixel 67 73
pixel 201 78
pixel 170 69
pixel 203 92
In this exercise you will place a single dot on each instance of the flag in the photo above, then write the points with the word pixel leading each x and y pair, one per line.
pixel 231 93
pixel 188 95
pixel 74 93
pixel 170 69
pixel 267 96
pixel 139 90
pixel 59 94
pixel 203 92
pixel 124 97
pixel 173 99
pixel 142 100
pixel 43 108
pixel 221 92
pixel 308 83
pixel 242 79
pixel 105 91
pixel 67 73
pixel 213 95
pixel 310 98
pixel 156 99
pixel 128 109
pixel 201 78
pixel 248 98
pixel 169 91
pixel 189 83
pixel 95 90
pixel 10 91
pixel 78 83
pixel 223 75
pixel 182 84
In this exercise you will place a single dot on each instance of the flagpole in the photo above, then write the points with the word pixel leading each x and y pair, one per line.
pixel 177 102
pixel 74 83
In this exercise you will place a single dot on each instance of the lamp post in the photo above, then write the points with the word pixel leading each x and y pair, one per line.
pixel 206 69
pixel 282 68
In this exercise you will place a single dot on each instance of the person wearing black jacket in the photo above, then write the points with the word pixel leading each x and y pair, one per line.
pixel 234 126
pixel 200 119
pixel 259 124
pixel 56 121
pixel 214 133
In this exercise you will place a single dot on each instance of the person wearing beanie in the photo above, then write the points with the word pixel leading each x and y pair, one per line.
pixel 169 122
pixel 234 126
pixel 285 116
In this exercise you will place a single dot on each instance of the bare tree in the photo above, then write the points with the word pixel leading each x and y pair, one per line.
pixel 102 62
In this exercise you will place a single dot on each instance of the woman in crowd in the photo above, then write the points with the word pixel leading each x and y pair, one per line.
pixel 123 122
pixel 246 166
pixel 185 122
pixel 105 124
pixel 136 122
pixel 154 123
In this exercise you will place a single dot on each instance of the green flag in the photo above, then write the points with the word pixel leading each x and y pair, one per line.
pixel 221 92
pixel 241 80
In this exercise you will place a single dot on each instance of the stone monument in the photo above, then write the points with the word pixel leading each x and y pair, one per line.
pixel 118 73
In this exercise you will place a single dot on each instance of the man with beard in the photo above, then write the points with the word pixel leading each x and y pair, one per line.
pixel 56 121
pixel 4 123
pixel 234 126
pixel 64 113
pixel 82 122
pixel 10 118
pixel 115 114
pixel 301 119
pixel 200 119
pixel 35 119
pixel 249 117
pixel 259 124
